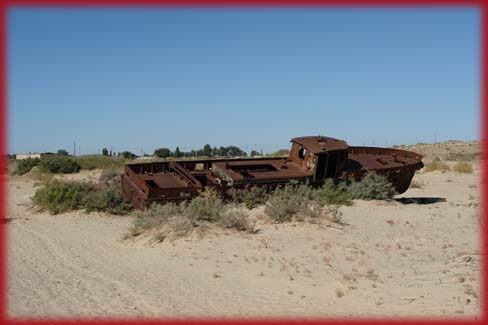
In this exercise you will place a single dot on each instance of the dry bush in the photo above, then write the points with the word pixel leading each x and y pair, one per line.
pixel 237 219
pixel 154 217
pixel 463 167
pixel 436 165
pixel 176 220
pixel 175 227
pixel 462 156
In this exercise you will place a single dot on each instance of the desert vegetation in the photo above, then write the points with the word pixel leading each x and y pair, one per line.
pixel 436 165
pixel 463 167
pixel 175 220
pixel 60 196
pixel 24 166
pixel 90 162
pixel 292 202
pixel 59 164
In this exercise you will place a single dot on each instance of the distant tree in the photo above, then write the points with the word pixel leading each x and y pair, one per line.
pixel 215 151
pixel 254 153
pixel 162 153
pixel 223 152
pixel 207 150
pixel 178 153
pixel 127 155
pixel 234 151
pixel 62 152
pixel 105 151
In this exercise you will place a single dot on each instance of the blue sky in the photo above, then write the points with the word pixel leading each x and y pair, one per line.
pixel 142 78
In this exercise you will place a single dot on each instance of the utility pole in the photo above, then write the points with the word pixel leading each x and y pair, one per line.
pixel 74 149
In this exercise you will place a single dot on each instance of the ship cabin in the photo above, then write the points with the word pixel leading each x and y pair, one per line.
pixel 323 157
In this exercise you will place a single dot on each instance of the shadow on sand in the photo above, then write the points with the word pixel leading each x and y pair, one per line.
pixel 420 200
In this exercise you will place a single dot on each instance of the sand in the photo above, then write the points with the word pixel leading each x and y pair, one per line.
pixel 389 259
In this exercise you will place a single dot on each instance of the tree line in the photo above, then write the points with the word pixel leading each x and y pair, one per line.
pixel 206 151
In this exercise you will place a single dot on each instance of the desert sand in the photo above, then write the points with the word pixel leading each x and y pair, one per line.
pixel 410 258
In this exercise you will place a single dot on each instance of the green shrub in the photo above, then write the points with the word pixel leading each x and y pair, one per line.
pixel 59 165
pixel 329 193
pixel 463 167
pixel 61 196
pixel 299 200
pixel 208 206
pixel 25 165
pixel 90 162
pixel 251 197
pixel 58 197
pixel 288 201
pixel 371 187
pixel 107 198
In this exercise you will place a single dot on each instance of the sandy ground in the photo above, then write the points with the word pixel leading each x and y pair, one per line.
pixel 390 259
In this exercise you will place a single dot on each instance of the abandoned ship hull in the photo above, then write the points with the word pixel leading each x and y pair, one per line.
pixel 311 159
pixel 398 166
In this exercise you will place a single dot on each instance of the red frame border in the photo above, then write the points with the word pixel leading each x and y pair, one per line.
pixel 6 4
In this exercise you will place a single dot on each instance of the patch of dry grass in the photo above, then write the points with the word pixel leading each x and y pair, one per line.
pixel 463 167
pixel 436 165
pixel 173 221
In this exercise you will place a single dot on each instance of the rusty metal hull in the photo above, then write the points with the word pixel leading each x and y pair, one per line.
pixel 311 159
pixel 398 166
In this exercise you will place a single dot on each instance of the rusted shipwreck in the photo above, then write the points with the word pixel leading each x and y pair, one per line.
pixel 313 159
